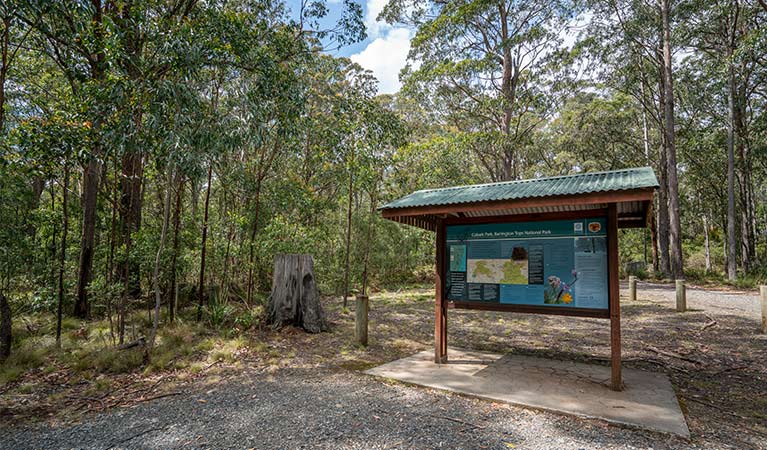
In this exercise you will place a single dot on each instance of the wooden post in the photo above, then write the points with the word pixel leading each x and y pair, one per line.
pixel 440 306
pixel 681 296
pixel 361 320
pixel 614 297
pixel 763 291
pixel 632 288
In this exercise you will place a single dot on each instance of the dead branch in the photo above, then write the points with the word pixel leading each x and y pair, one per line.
pixel 140 342
pixel 673 355
pixel 453 419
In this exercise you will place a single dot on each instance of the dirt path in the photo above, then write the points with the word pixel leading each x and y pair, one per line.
pixel 315 397
pixel 319 409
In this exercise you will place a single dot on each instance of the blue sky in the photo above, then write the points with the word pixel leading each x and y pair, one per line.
pixel 384 52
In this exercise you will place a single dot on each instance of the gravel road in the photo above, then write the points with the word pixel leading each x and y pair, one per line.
pixel 742 303
pixel 334 408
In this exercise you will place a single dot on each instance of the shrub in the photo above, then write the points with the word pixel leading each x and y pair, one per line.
pixel 217 313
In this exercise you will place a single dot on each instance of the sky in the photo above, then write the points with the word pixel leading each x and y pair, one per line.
pixel 385 50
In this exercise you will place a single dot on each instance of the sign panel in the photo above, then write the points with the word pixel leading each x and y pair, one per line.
pixel 555 263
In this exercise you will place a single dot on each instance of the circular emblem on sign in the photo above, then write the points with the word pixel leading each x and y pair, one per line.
pixel 594 227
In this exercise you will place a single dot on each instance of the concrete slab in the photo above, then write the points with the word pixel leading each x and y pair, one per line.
pixel 648 400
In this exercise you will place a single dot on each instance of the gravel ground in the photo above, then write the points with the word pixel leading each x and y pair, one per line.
pixel 297 408
pixel 742 303
pixel 330 407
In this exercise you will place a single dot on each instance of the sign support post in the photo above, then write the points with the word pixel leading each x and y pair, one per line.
pixel 440 305
pixel 614 297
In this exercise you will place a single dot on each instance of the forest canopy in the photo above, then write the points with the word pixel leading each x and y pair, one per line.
pixel 164 151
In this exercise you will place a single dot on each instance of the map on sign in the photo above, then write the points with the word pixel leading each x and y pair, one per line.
pixel 503 271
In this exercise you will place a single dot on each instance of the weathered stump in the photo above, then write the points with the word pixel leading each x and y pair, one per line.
pixel 295 298
pixel 5 328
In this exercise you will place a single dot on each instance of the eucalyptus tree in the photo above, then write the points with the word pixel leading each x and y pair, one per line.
pixel 727 36
pixel 675 228
pixel 625 38
pixel 75 36
pixel 487 65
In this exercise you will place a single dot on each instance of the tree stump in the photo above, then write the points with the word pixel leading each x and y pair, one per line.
pixel 295 298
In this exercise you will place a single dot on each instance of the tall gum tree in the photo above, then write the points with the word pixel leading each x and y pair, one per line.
pixel 486 64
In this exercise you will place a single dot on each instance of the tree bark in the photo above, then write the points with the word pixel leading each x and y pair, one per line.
pixel 347 267
pixel 201 286
pixel 174 258
pixel 6 331
pixel 90 186
pixel 732 248
pixel 295 298
pixel 130 212
pixel 62 256
pixel 675 228
pixel 707 243
pixel 253 233
pixel 5 41
pixel 156 273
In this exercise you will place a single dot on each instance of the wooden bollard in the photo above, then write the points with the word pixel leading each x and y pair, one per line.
pixel 681 296
pixel 763 291
pixel 361 320
pixel 632 288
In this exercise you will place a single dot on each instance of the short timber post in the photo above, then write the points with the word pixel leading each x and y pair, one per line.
pixel 614 298
pixel 681 296
pixel 632 288
pixel 763 291
pixel 361 320
pixel 440 306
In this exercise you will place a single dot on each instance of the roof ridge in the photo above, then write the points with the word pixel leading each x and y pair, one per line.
pixel 530 180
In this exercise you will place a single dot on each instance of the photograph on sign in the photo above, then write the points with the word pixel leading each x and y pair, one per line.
pixel 547 263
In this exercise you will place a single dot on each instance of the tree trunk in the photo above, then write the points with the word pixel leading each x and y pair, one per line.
pixel 295 298
pixel 732 246
pixel 156 273
pixel 675 227
pixel 662 210
pixel 654 240
pixel 253 233
pixel 62 256
pixel 6 332
pixel 5 41
pixel 176 226
pixel 90 190
pixel 349 228
pixel 707 244
pixel 201 290
pixel 130 212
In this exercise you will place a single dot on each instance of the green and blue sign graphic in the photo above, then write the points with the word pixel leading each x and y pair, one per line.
pixel 557 263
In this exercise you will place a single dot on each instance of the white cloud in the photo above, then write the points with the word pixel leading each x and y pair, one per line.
pixel 385 57
pixel 372 9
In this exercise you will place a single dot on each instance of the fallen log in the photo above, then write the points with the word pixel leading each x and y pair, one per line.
pixel 140 342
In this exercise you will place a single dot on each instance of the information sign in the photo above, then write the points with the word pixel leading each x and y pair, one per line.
pixel 556 263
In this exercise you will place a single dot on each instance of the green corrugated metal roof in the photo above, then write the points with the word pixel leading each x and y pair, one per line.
pixel 582 183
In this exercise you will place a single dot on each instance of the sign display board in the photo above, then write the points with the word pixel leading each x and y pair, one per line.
pixel 555 263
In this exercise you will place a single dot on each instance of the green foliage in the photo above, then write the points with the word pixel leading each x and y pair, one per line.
pixel 217 313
